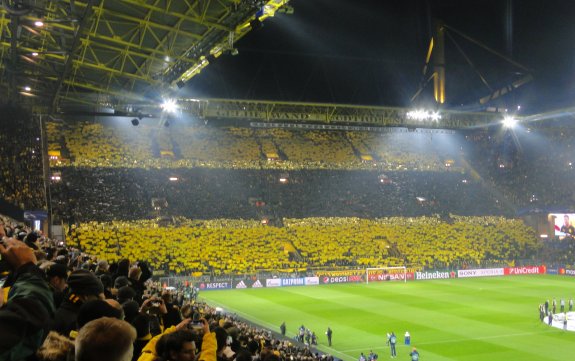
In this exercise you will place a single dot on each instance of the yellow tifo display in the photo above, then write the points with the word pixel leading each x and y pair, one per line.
pixel 238 246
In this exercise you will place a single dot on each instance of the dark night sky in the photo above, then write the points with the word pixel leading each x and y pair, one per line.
pixel 373 51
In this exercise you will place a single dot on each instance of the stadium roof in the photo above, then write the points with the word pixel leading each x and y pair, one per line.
pixel 129 54
pixel 90 51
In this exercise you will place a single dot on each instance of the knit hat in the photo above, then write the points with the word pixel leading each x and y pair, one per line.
pixel 84 282
pixel 121 282
pixel 57 270
pixel 95 309
pixel 131 310
pixel 142 325
pixel 106 280
pixel 126 293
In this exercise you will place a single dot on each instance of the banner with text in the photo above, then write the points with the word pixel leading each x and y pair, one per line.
pixel 525 270
pixel 324 280
pixel 356 272
pixel 292 282
pixel 311 281
pixel 436 275
pixel 206 286
pixel 483 272
pixel 380 277
pixel 273 282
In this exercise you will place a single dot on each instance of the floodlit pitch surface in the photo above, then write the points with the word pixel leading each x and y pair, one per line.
pixel 458 319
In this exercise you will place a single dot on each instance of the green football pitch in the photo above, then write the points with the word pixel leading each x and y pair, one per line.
pixel 458 319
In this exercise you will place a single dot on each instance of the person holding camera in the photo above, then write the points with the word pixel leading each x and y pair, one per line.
pixel 156 309
pixel 179 347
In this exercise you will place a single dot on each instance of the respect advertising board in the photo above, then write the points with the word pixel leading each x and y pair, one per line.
pixel 207 286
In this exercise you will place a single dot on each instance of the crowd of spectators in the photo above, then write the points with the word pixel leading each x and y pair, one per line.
pixel 530 167
pixel 21 175
pixel 99 144
pixel 106 194
pixel 60 304
pixel 337 199
pixel 204 247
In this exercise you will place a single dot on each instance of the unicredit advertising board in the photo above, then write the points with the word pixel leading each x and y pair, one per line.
pixel 525 270
pixel 482 272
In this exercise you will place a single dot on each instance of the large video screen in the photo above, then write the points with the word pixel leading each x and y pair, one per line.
pixel 564 224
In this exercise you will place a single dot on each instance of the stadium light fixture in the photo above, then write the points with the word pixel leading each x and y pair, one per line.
pixel 509 122
pixel 423 114
pixel 173 179
pixel 169 106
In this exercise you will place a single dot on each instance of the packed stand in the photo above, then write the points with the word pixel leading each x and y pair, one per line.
pixel 60 304
pixel 118 145
pixel 105 194
pixel 531 165
pixel 203 247
pixel 21 181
